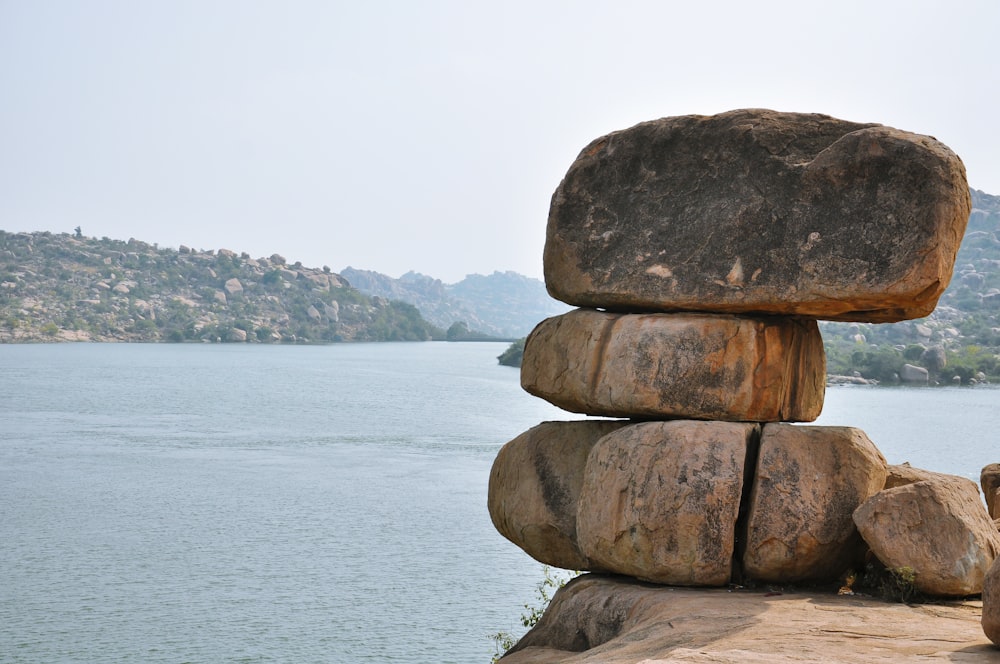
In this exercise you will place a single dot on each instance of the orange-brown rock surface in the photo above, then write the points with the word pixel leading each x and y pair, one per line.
pixel 989 478
pixel 693 366
pixel 903 474
pixel 660 500
pixel 991 603
pixel 535 485
pixel 701 251
pixel 808 482
pixel 939 529
pixel 759 211
pixel 606 620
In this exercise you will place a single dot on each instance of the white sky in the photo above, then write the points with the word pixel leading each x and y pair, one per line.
pixel 429 135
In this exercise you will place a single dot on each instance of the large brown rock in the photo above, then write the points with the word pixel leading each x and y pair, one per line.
pixel 990 481
pixel 903 474
pixel 991 603
pixel 603 620
pixel 660 500
pixel 535 484
pixel 697 366
pixel 808 482
pixel 759 211
pixel 938 529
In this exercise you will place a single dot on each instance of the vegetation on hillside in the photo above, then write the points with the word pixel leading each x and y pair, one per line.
pixel 503 305
pixel 959 343
pixel 70 287
pixel 459 331
pixel 511 357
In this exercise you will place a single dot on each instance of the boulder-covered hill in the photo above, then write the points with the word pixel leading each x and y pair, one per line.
pixel 61 287
pixel 960 338
pixel 503 304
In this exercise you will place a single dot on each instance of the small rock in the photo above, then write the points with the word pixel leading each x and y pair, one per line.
pixel 233 287
pixel 938 529
pixel 913 375
pixel 903 474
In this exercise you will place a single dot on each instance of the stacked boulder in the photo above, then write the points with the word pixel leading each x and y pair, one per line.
pixel 701 251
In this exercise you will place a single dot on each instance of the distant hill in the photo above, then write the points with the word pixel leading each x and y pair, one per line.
pixel 503 304
pixel 61 287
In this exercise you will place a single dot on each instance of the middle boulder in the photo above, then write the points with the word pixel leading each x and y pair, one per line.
pixel 692 366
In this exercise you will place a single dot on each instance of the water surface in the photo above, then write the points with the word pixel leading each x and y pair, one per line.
pixel 229 503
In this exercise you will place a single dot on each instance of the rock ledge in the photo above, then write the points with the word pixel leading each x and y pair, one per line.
pixel 613 620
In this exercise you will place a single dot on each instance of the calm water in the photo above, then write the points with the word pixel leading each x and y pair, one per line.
pixel 223 503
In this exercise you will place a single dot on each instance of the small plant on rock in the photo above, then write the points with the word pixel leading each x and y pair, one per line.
pixel 889 584
pixel 544 590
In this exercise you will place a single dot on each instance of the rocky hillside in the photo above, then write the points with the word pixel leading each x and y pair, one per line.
pixel 60 286
pixel 503 304
pixel 69 287
pixel 961 338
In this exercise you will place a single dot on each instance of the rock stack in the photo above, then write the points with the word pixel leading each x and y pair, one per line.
pixel 701 251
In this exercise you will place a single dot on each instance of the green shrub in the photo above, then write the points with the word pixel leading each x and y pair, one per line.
pixel 544 590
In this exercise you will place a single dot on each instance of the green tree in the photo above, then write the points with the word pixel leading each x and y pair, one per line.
pixel 513 355
pixel 458 331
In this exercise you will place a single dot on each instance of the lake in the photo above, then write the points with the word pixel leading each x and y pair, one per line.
pixel 238 503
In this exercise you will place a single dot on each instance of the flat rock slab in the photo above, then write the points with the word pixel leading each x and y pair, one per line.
pixel 613 621
pixel 759 211
pixel 691 366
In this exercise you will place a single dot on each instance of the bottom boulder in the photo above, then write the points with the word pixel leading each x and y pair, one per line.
pixel 660 500
pixel 809 481
pixel 535 485
pixel 610 620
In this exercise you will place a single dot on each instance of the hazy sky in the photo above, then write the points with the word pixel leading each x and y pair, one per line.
pixel 429 136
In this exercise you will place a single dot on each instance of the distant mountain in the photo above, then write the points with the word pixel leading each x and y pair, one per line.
pixel 503 304
pixel 61 287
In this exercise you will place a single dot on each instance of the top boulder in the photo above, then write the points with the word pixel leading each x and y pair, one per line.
pixel 755 211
